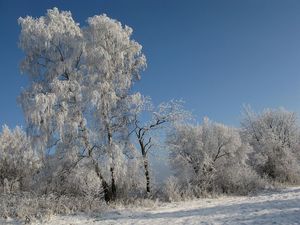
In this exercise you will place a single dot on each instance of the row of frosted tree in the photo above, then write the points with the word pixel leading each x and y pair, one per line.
pixel 88 133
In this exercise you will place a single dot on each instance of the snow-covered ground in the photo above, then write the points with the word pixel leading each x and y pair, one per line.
pixel 280 207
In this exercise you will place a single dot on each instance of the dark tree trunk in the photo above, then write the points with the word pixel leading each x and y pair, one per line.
pixel 113 185
pixel 147 175
pixel 112 168
pixel 105 187
pixel 146 165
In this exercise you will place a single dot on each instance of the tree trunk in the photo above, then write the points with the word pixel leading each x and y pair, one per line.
pixel 112 168
pixel 147 175
pixel 146 165
pixel 104 184
pixel 107 197
pixel 113 185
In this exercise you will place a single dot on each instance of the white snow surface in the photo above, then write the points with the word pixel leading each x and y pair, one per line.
pixel 280 207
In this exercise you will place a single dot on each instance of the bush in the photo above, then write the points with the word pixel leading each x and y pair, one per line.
pixel 70 178
pixel 274 137
pixel 172 190
pixel 238 179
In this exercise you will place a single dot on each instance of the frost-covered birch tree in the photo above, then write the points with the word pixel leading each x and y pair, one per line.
pixel 113 63
pixel 80 87
pixel 52 104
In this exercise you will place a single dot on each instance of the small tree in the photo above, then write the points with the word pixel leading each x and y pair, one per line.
pixel 164 116
pixel 18 161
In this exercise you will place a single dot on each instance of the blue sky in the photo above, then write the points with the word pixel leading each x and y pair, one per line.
pixel 215 55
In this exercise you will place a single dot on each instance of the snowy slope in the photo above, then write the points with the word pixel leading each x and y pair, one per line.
pixel 281 207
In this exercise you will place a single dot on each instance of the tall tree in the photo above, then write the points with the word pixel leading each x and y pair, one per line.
pixel 80 86
pixel 113 62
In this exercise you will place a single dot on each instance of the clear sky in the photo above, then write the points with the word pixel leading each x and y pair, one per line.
pixel 215 55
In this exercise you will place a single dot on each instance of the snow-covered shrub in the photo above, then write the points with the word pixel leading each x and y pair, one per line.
pixel 69 178
pixel 130 183
pixel 274 137
pixel 172 189
pixel 82 180
pixel 204 159
pixel 18 161
pixel 239 179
